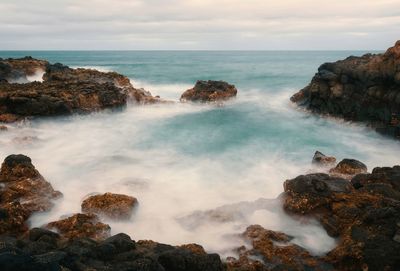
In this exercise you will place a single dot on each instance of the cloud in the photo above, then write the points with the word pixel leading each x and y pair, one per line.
pixel 198 24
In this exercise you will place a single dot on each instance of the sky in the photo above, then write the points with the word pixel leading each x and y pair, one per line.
pixel 199 24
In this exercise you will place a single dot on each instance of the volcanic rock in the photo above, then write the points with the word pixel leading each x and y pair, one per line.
pixel 17 70
pixel 365 88
pixel 114 206
pixel 349 167
pixel 321 159
pixel 209 91
pixel 363 217
pixel 273 251
pixel 80 225
pixel 64 91
pixel 116 253
pixel 23 192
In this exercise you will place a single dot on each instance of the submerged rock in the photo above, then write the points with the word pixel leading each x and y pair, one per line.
pixel 114 206
pixel 321 159
pixel 209 91
pixel 3 128
pixel 363 89
pixel 24 191
pixel 81 225
pixel 64 91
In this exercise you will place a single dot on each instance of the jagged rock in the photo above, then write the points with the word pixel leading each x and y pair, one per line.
pixel 314 191
pixel 384 181
pixel 114 206
pixel 80 225
pixel 349 167
pixel 321 159
pixel 23 192
pixel 12 70
pixel 116 253
pixel 209 91
pixel 363 89
pixel 273 251
pixel 65 91
pixel 364 220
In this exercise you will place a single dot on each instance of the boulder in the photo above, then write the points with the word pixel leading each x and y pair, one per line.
pixel 3 128
pixel 209 91
pixel 363 89
pixel 349 167
pixel 24 191
pixel 114 206
pixel 321 159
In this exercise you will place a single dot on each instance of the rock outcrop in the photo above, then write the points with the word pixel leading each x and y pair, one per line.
pixel 114 206
pixel 18 70
pixel 63 90
pixel 209 91
pixel 363 213
pixel 23 192
pixel 365 89
pixel 44 250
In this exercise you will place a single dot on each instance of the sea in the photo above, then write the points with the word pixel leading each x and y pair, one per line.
pixel 201 173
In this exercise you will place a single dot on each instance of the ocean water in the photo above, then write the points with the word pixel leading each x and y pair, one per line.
pixel 180 160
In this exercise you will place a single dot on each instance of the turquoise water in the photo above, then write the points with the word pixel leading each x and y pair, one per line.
pixel 181 158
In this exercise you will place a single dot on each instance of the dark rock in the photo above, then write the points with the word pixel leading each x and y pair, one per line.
pixel 272 250
pixel 63 91
pixel 38 233
pixel 24 192
pixel 349 167
pixel 364 218
pixel 364 89
pixel 209 91
pixel 122 242
pixel 321 159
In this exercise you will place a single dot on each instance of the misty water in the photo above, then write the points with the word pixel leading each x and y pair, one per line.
pixel 179 160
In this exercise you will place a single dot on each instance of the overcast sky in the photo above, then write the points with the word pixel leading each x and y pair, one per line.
pixel 199 24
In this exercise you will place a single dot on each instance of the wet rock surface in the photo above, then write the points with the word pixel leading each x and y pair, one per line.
pixel 81 225
pixel 63 91
pixel 320 159
pixel 114 206
pixel 23 192
pixel 271 250
pixel 363 89
pixel 209 91
pixel 349 167
pixel 45 250
pixel 17 70
pixel 363 213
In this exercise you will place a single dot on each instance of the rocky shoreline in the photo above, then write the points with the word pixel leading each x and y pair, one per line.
pixel 360 210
